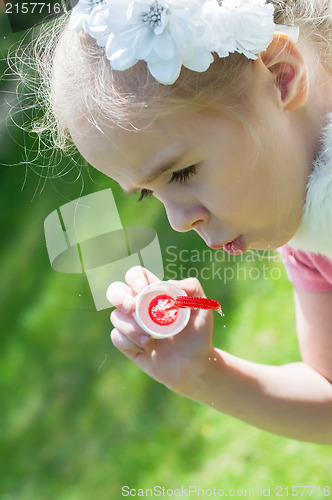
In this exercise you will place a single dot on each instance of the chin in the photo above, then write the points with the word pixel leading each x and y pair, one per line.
pixel 263 246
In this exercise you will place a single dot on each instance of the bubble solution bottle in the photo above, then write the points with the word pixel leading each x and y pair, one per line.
pixel 163 309
pixel 156 313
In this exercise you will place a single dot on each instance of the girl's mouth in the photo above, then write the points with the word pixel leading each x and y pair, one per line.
pixel 235 247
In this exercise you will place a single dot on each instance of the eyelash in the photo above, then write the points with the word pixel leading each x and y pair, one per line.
pixel 180 176
pixel 145 193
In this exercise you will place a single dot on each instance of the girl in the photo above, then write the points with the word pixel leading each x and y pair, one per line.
pixel 221 110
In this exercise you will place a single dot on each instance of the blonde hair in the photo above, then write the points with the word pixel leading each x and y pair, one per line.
pixel 68 76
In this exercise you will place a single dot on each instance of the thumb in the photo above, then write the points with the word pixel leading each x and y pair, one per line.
pixel 191 286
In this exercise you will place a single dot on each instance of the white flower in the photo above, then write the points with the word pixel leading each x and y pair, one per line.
pixel 98 25
pixel 81 14
pixel 165 33
pixel 245 26
pixel 220 40
pixel 169 34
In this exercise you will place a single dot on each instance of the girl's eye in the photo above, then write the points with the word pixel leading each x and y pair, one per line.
pixel 184 175
pixel 145 193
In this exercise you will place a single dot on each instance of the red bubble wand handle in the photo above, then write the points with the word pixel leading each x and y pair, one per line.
pixel 198 303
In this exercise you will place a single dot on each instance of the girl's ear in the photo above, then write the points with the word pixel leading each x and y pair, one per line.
pixel 284 60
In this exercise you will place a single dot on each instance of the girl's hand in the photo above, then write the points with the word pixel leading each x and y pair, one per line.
pixel 171 361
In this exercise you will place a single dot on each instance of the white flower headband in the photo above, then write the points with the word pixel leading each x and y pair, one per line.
pixel 169 34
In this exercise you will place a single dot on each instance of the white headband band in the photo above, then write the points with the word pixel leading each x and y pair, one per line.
pixel 169 34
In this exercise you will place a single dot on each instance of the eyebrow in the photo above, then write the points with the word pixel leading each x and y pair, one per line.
pixel 159 170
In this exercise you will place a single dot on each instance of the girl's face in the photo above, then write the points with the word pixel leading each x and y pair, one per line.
pixel 210 174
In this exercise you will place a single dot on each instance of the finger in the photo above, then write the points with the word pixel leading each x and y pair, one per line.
pixel 127 326
pixel 121 342
pixel 138 278
pixel 120 294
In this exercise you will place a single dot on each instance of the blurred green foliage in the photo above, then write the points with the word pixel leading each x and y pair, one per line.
pixel 78 420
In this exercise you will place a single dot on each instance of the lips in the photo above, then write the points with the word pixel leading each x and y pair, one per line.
pixel 235 247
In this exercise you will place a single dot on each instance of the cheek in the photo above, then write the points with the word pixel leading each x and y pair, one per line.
pixel 244 191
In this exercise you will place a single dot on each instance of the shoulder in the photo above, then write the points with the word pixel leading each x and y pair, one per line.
pixel 309 271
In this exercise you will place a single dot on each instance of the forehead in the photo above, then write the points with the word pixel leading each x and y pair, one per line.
pixel 110 148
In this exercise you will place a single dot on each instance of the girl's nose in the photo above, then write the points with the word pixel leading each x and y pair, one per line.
pixel 183 219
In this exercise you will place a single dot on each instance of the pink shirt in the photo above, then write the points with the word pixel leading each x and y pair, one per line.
pixel 312 272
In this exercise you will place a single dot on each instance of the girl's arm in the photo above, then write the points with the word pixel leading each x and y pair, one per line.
pixel 294 400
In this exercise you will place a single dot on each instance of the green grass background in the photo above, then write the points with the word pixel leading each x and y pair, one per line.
pixel 78 420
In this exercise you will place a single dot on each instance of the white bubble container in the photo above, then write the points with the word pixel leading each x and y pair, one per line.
pixel 142 317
